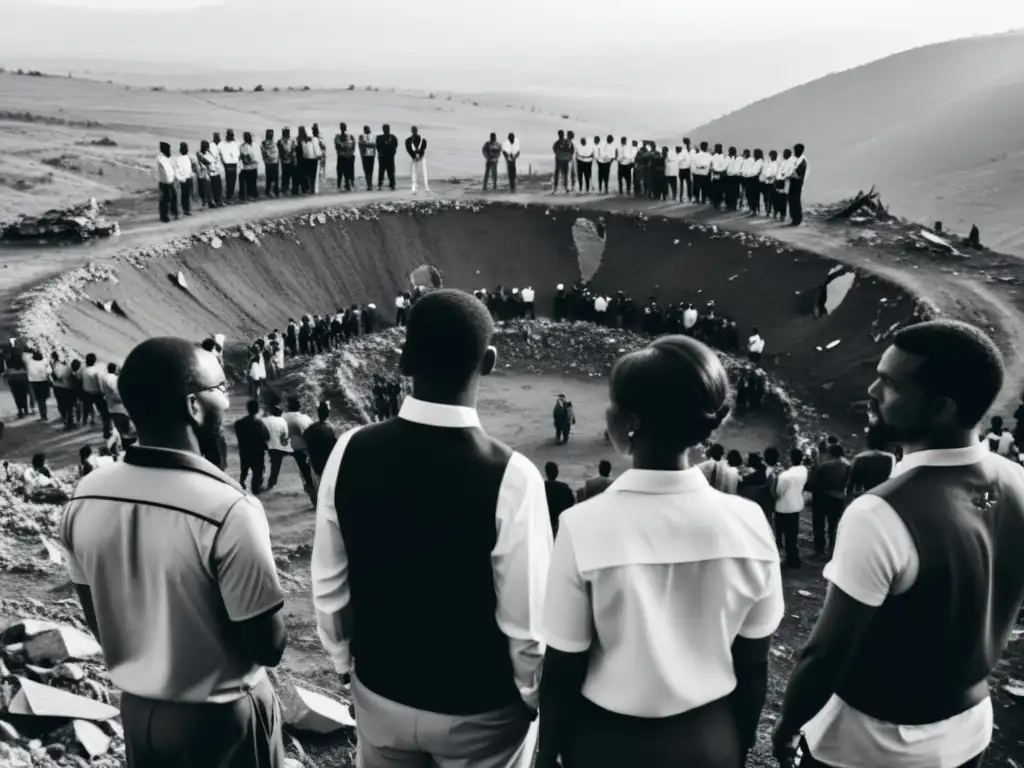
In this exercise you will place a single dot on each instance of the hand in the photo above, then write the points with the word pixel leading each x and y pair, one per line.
pixel 784 748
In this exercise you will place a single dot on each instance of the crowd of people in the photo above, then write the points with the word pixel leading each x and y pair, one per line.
pixel 637 623
pixel 727 179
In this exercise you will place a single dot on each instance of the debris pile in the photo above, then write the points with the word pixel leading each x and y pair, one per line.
pixel 76 224
pixel 57 707
pixel 30 512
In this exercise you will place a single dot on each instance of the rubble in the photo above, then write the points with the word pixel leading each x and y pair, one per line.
pixel 305 708
pixel 29 521
pixel 77 224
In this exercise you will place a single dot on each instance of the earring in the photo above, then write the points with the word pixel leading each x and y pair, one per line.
pixel 630 434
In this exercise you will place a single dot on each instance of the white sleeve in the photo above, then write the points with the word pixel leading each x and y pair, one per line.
pixel 568 616
pixel 765 615
pixel 329 564
pixel 873 548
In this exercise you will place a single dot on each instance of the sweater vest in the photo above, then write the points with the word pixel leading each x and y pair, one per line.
pixel 929 651
pixel 419 553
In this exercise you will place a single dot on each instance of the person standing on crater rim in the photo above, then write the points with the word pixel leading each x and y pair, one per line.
pixel 345 149
pixel 290 162
pixel 387 148
pixel 926 581
pixel 166 176
pixel 796 185
pixel 271 164
pixel 510 150
pixel 492 153
pixel 428 605
pixel 368 155
pixel 172 563
pixel 230 154
pixel 416 146
pixel 564 152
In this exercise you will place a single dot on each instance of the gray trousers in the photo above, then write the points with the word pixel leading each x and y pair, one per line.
pixel 392 735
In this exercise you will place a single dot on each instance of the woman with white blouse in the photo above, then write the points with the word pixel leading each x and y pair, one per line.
pixel 663 593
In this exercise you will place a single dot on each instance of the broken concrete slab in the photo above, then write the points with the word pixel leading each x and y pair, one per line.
pixel 40 700
pixel 47 644
pixel 91 738
pixel 308 710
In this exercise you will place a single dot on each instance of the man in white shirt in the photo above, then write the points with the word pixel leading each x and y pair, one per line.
pixel 685 165
pixel 601 310
pixel 767 179
pixel 719 169
pixel 166 175
pixel 38 371
pixel 528 302
pixel 749 171
pixel 230 154
pixel 510 151
pixel 445 665
pixel 733 179
pixel 785 169
pixel 702 173
pixel 689 319
pixel 625 155
pixel 402 303
pixel 298 423
pixel 605 156
pixel 1000 440
pixel 755 345
pixel 926 581
pixel 183 178
pixel 789 503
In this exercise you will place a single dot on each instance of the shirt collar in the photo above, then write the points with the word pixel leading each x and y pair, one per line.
pixel 660 481
pixel 170 458
pixel 438 415
pixel 943 457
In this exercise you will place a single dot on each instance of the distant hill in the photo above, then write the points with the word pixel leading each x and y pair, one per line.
pixel 939 130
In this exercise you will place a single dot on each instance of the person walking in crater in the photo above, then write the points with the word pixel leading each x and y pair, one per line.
pixel 564 419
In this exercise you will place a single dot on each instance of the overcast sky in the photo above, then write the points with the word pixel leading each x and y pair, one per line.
pixel 660 48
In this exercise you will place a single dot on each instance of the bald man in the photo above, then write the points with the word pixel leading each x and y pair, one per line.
pixel 171 560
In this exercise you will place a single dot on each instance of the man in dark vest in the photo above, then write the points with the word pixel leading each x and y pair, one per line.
pixel 387 148
pixel 492 153
pixel 345 148
pixel 433 541
pixel 926 580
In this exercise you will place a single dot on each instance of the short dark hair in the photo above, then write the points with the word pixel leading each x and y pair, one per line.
pixel 734 458
pixel 447 336
pixel 796 457
pixel 38 460
pixel 676 386
pixel 323 410
pixel 155 378
pixel 293 403
pixel 771 455
pixel 551 470
pixel 960 362
pixel 604 468
pixel 90 359
pixel 716 451
pixel 275 410
pixel 252 407
pixel 836 451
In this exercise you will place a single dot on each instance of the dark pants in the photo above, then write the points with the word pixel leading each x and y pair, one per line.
pixel 796 205
pixel 604 172
pixel 825 514
pixel 561 433
pixel 510 166
pixel 91 400
pixel 780 198
pixel 230 177
pixel 65 404
pixel 308 167
pixel 273 183
pixel 704 737
pixel 625 179
pixel 122 423
pixel 753 192
pixel 787 528
pixel 671 189
pixel 289 178
pixel 808 761
pixel 561 170
pixel 387 168
pixel 19 391
pixel 768 193
pixel 41 392
pixel 717 191
pixel 242 734
pixel 701 188
pixel 346 172
pixel 216 198
pixel 248 188
pixel 301 459
pixel 685 184
pixel 529 310
pixel 491 172
pixel 256 464
pixel 584 171
pixel 168 202
pixel 732 192
pixel 185 191
pixel 368 171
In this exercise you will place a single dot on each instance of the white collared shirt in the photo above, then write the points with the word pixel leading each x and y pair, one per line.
pixel 528 294
pixel 755 344
pixel 656 577
pixel 625 154
pixel 785 169
pixel 401 302
pixel 229 152
pixel 600 304
pixel 702 163
pixel 719 163
pixel 769 171
pixel 165 168
pixel 182 167
pixel 585 153
pixel 520 558
pixel 672 164
pixel 689 318
pixel 511 148
pixel 606 153
pixel 789 490
pixel 685 159
pixel 875 556
pixel 735 165
pixel 748 167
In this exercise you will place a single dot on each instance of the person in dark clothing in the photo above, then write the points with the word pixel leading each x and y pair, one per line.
pixel 387 148
pixel 320 438
pixel 869 468
pixel 599 484
pixel 368 155
pixel 564 152
pixel 394 396
pixel 345 149
pixel 781 196
pixel 564 418
pixel 828 483
pixel 492 153
pixel 252 436
pixel 168 204
pixel 559 494
pixel 286 149
pixel 796 186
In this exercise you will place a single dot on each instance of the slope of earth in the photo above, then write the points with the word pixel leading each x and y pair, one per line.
pixel 56 132
pixel 937 128
pixel 308 264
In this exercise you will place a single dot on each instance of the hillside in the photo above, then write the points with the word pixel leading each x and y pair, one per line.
pixel 48 126
pixel 938 129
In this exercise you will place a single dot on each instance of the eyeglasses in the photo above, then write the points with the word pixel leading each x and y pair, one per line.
pixel 222 387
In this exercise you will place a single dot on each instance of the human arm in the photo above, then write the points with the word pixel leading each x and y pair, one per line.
pixel 870 553
pixel 329 568
pixel 568 622
pixel 246 575
pixel 519 563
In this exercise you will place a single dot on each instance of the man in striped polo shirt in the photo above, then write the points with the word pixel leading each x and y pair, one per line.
pixel 926 580
pixel 433 541
pixel 171 560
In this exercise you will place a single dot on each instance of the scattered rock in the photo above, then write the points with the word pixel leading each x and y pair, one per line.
pixel 78 223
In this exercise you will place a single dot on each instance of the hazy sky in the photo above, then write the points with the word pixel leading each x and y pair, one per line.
pixel 658 48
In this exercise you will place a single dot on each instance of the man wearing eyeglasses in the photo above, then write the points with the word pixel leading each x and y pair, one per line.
pixel 172 563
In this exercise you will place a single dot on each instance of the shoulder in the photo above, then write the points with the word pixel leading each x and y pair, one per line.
pixel 520 473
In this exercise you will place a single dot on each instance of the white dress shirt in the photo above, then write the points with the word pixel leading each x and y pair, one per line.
pixel 528 295
pixel 689 318
pixel 685 159
pixel 584 154
pixel 606 153
pixel 672 164
pixel 769 171
pixel 755 344
pixel 182 168
pixel 165 168
pixel 511 148
pixel 735 166
pixel 875 556
pixel 719 163
pixel 625 155
pixel 702 164
pixel 280 439
pixel 656 577
pixel 789 490
pixel 600 304
pixel 229 152
pixel 519 560
pixel 785 169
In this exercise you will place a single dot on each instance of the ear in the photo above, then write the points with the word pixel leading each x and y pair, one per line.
pixel 405 362
pixel 489 361
pixel 194 410
pixel 944 409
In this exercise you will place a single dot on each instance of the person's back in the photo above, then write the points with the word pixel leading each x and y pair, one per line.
pixel 596 485
pixel 559 495
pixel 278 433
pixel 869 469
pixel 829 478
pixel 298 423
